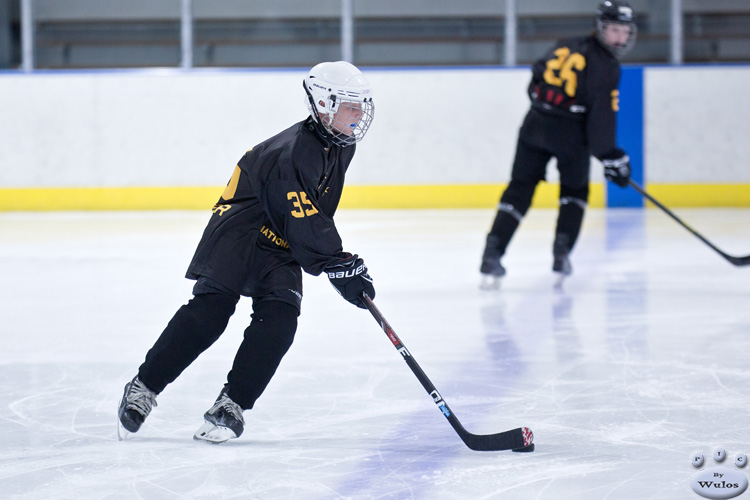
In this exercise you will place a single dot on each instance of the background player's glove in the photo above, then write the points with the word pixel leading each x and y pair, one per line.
pixel 349 277
pixel 617 167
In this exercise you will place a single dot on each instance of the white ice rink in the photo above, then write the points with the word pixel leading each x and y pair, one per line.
pixel 639 360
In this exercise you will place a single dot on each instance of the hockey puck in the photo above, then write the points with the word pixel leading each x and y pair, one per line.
pixel 525 449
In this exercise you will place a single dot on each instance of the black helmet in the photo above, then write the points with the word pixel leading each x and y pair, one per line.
pixel 616 12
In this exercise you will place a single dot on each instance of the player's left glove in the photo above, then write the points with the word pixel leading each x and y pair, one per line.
pixel 617 167
pixel 349 277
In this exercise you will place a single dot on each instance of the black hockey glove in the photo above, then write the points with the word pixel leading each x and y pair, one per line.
pixel 617 167
pixel 349 277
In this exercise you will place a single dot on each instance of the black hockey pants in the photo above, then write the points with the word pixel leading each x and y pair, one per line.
pixel 199 323
pixel 542 137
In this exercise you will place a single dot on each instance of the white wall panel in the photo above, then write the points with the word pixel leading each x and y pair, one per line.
pixel 443 127
pixel 696 124
pixel 166 128
pixel 146 128
pixel 432 126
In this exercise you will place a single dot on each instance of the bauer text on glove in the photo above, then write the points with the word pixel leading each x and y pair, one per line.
pixel 349 277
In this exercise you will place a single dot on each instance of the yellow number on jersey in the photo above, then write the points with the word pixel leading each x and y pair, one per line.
pixel 566 66
pixel 301 203
pixel 615 100
pixel 231 188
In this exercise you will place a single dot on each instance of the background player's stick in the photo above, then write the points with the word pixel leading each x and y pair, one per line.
pixel 737 261
pixel 520 439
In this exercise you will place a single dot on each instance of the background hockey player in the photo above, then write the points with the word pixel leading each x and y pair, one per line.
pixel 574 100
pixel 274 219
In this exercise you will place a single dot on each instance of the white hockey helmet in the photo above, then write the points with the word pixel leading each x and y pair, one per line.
pixel 339 98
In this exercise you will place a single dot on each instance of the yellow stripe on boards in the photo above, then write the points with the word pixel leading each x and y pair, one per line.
pixel 365 197
pixel 449 196
pixel 700 195
pixel 144 198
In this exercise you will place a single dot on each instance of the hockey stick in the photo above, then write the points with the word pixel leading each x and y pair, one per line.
pixel 520 439
pixel 737 261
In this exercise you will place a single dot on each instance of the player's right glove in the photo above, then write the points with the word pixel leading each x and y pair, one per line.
pixel 349 277
pixel 617 167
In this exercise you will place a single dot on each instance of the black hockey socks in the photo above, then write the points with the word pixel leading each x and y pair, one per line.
pixel 514 204
pixel 569 222
pixel 267 339
pixel 191 331
pixel 516 198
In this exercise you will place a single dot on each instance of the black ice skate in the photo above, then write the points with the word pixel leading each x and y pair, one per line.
pixel 561 263
pixel 137 402
pixel 491 268
pixel 222 422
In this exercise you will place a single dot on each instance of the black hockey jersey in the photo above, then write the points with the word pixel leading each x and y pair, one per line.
pixel 276 214
pixel 578 78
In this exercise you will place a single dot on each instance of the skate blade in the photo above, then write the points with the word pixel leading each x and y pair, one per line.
pixel 559 280
pixel 211 433
pixel 122 432
pixel 489 282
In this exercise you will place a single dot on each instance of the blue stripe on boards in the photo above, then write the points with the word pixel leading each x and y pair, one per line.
pixel 630 127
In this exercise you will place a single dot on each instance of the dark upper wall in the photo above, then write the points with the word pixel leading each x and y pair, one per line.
pixel 72 10
pixel 100 33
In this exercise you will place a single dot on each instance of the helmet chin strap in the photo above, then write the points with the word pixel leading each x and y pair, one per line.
pixel 322 131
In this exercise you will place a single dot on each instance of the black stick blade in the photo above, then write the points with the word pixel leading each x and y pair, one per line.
pixel 739 261
pixel 520 439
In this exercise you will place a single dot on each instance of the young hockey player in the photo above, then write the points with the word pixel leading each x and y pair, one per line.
pixel 274 220
pixel 574 100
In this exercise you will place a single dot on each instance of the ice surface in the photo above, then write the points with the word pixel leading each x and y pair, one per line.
pixel 637 362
